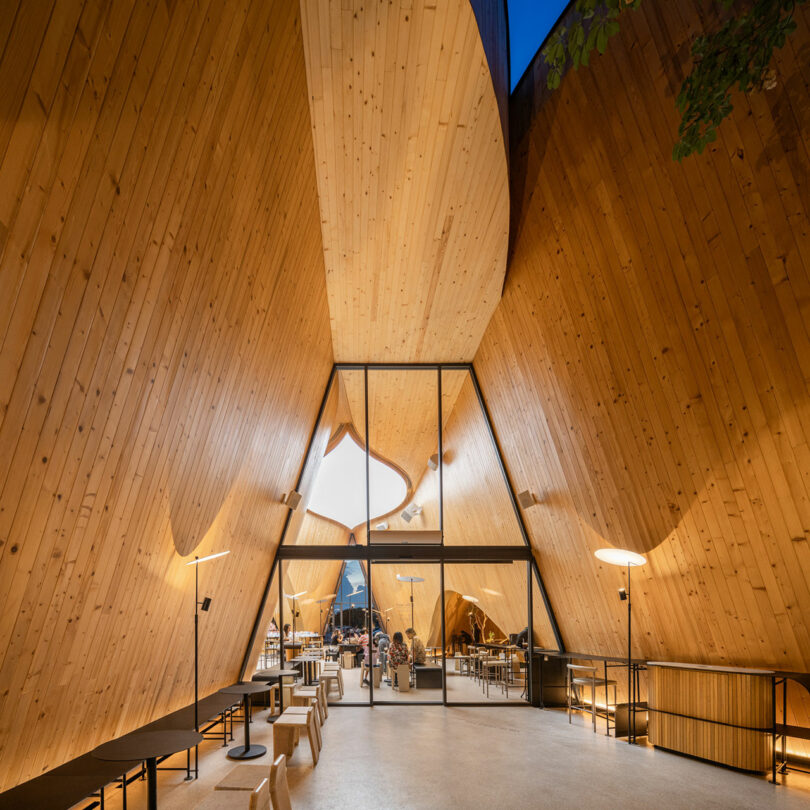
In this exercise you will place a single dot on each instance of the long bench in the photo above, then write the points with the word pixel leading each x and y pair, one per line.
pixel 86 776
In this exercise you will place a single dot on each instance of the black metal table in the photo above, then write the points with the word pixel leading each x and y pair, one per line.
pixel 246 751
pixel 148 745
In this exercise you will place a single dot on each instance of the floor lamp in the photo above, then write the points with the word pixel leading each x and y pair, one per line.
pixel 629 559
pixel 294 596
pixel 320 603
pixel 204 605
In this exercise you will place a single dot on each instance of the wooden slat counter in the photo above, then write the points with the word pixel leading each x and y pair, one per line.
pixel 722 714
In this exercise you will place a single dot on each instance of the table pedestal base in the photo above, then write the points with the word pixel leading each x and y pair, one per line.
pixel 242 752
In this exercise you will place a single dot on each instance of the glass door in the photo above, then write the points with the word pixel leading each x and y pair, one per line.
pixel 408 666
pixel 486 630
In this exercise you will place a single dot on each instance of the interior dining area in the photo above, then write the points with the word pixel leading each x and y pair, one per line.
pixel 403 404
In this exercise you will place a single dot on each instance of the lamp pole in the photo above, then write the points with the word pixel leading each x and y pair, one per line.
pixel 624 557
pixel 205 603
pixel 196 641
pixel 631 699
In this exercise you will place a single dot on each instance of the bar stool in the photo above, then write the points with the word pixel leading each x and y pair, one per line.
pixel 580 675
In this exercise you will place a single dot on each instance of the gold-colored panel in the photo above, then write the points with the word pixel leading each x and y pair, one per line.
pixel 164 347
pixel 412 176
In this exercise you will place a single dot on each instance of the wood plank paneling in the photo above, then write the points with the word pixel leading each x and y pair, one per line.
pixel 647 368
pixel 164 345
pixel 720 716
pixel 412 176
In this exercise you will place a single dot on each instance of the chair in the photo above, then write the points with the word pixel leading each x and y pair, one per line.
pixel 579 675
pixel 259 798
pixel 285 731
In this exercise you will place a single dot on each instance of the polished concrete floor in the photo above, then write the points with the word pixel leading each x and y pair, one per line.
pixel 392 757
pixel 460 689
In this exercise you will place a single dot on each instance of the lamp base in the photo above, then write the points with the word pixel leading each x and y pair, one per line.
pixel 240 752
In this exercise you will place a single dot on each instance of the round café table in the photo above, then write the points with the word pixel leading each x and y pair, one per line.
pixel 148 745
pixel 246 751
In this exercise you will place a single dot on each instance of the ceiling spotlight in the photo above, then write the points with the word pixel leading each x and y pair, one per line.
pixel 469 598
pixel 433 462
pixel 410 511
pixel 491 592
pixel 623 594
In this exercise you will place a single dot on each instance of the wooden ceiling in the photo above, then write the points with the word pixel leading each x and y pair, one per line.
pixel 647 370
pixel 412 176
pixel 165 346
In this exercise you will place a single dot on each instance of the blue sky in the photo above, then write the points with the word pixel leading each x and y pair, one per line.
pixel 529 24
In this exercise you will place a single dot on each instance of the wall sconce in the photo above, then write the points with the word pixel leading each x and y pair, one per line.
pixel 292 500
pixel 526 499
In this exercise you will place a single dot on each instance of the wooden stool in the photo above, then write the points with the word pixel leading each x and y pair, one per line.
pixel 305 701
pixel 284 730
pixel 279 789
pixel 302 710
pixel 403 673
pixel 333 677
pixel 318 689
pixel 272 699
pixel 243 777
pixel 259 798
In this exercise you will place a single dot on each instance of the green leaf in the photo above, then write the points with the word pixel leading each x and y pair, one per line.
pixel 601 39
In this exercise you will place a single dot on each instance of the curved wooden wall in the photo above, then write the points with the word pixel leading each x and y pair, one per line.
pixel 647 369
pixel 412 175
pixel 165 346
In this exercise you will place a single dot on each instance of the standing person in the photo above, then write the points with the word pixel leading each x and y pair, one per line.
pixel 383 643
pixel 369 659
pixel 397 654
pixel 419 653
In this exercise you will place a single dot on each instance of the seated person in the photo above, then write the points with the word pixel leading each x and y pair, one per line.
pixel 287 634
pixel 419 653
pixel 397 654
pixel 522 639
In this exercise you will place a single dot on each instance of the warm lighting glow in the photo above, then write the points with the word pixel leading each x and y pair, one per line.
pixel 619 556
pixel 295 595
pixel 340 489
pixel 469 598
pixel 209 557
pixel 491 592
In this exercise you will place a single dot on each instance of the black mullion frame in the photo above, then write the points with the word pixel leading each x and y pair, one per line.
pixel 477 554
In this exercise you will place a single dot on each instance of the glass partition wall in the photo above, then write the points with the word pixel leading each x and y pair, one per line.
pixel 403 519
